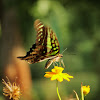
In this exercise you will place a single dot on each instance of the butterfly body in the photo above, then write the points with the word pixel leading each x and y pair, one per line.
pixel 45 47
pixel 52 60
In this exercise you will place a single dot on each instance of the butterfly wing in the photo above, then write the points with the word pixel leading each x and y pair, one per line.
pixel 52 43
pixel 46 45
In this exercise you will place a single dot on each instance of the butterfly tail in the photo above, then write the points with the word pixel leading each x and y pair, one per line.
pixel 21 58
pixel 26 59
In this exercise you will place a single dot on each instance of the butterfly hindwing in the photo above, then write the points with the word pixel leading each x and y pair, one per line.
pixel 46 45
pixel 52 43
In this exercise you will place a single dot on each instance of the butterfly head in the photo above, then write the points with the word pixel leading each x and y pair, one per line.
pixel 60 55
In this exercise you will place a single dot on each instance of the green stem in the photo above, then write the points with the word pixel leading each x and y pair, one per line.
pixel 58 91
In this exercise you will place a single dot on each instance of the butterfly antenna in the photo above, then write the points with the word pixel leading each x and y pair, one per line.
pixel 64 51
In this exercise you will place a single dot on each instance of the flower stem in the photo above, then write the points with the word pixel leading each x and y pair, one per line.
pixel 58 91
pixel 82 95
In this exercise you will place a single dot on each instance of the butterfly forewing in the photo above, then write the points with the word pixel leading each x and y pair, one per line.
pixel 40 32
pixel 46 45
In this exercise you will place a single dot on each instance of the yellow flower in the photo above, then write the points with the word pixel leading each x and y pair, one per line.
pixel 57 74
pixel 11 90
pixel 86 89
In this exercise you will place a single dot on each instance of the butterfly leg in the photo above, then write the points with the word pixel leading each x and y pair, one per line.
pixel 62 62
pixel 56 63
pixel 53 64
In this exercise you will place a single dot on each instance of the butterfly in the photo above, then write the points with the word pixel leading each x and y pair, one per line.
pixel 45 47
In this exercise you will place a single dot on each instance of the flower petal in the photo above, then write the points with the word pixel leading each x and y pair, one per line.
pixel 54 77
pixel 66 76
pixel 60 79
pixel 49 74
pixel 57 69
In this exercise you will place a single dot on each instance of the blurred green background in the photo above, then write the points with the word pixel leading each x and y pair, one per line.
pixel 77 26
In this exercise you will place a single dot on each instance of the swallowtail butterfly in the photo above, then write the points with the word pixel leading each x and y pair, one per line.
pixel 45 47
